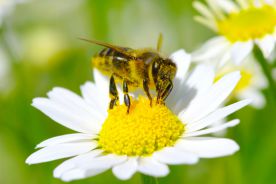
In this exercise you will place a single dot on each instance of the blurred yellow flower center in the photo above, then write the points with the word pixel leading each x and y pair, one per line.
pixel 244 82
pixel 143 131
pixel 251 23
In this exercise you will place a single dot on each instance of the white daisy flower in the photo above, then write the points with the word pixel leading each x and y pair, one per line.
pixel 240 25
pixel 146 140
pixel 251 83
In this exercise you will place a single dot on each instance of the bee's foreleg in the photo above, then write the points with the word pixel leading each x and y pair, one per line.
pixel 126 96
pixel 163 93
pixel 113 93
pixel 146 89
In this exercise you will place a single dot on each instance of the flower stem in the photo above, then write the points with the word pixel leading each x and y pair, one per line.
pixel 267 71
pixel 148 179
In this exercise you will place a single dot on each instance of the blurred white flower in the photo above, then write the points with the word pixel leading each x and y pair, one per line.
pixel 251 83
pixel 146 140
pixel 240 25
pixel 249 87
pixel 6 7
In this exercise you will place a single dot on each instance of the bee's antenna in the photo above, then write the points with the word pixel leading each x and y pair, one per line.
pixel 159 42
pixel 90 41
pixel 114 47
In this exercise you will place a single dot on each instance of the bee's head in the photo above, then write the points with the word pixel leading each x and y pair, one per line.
pixel 163 73
pixel 163 69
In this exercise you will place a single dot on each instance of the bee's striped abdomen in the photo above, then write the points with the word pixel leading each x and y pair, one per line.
pixel 111 62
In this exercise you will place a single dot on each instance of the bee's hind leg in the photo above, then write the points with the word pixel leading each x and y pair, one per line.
pixel 113 93
pixel 126 96
pixel 146 89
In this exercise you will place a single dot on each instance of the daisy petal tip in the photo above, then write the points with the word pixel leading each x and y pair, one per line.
pixel 65 166
pixel 87 83
pixel 73 175
pixel 38 146
pixel 30 160
pixel 36 101
pixel 193 161
pixel 120 176
pixel 235 122
pixel 57 173
pixel 248 101
pixel 125 170
pixel 233 147
pixel 236 75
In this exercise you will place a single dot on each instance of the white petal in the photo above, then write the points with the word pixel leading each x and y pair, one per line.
pixel 213 129
pixel 211 24
pixel 65 139
pixel 224 59
pixel 206 147
pixel 266 45
pixel 171 155
pixel 125 170
pixel 216 116
pixel 101 81
pixel 240 50
pixel 60 151
pixel 73 162
pixel 95 98
pixel 92 166
pixel 209 101
pixel 74 174
pixel 220 133
pixel 108 160
pixel 75 103
pixel 203 9
pixel 258 99
pixel 197 83
pixel 270 2
pixel 77 174
pixel 243 3
pixel 216 9
pixel 102 84
pixel 228 6
pixel 66 117
pixel 151 167
pixel 210 49
pixel 182 61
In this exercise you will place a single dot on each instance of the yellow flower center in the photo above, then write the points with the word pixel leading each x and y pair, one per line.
pixel 251 23
pixel 143 131
pixel 244 82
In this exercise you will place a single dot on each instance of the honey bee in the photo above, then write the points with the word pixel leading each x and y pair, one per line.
pixel 135 68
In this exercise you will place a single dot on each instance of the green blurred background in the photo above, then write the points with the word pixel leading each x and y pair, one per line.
pixel 38 41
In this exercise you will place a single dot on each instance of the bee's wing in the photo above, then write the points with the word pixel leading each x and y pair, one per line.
pixel 114 47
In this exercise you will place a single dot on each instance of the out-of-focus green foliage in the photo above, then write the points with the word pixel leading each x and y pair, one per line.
pixel 40 39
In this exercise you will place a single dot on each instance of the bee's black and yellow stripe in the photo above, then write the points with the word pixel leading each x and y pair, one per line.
pixel 111 62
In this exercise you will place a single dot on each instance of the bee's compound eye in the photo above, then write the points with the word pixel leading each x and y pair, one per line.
pixel 154 71
pixel 155 66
